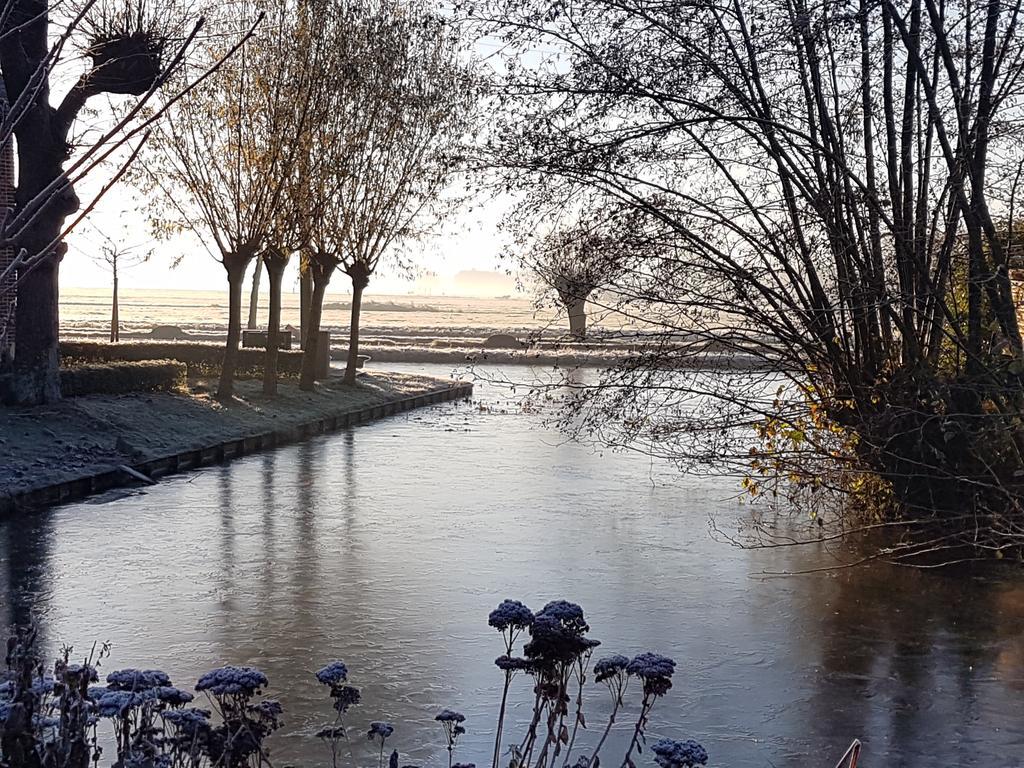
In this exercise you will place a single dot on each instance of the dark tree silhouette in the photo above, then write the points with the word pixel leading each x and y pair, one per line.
pixel 836 181
pixel 127 52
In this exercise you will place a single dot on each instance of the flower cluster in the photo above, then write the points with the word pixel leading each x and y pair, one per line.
pixel 450 716
pixel 609 666
pixel 557 634
pixel 513 664
pixel 344 697
pixel 186 719
pixel 510 614
pixel 116 703
pixel 232 681
pixel 669 753
pixel 655 670
pixel 379 730
pixel 333 674
pixel 137 679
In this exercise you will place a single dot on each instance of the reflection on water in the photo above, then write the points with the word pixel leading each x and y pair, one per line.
pixel 387 546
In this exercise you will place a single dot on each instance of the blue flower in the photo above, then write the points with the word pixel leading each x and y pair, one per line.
pixel 649 665
pixel 609 666
pixel 117 703
pixel 168 694
pixel 513 664
pixel 655 670
pixel 557 637
pixel 450 716
pixel 510 614
pixel 232 681
pixel 669 753
pixel 344 697
pixel 565 612
pixel 136 679
pixel 379 729
pixel 334 673
pixel 186 719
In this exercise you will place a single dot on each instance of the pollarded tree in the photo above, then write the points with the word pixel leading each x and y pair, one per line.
pixel 311 43
pixel 225 157
pixel 577 259
pixel 130 47
pixel 405 95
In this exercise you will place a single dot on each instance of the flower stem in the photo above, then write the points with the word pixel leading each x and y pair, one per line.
pixel 501 719
pixel 645 709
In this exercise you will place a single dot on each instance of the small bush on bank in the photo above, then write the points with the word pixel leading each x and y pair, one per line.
pixel 121 377
pixel 52 719
pixel 202 358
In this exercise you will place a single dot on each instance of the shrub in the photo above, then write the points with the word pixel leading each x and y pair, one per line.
pixel 117 378
pixel 202 358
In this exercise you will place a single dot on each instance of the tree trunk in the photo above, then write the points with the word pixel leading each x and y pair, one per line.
pixel 36 345
pixel 353 333
pixel 42 148
pixel 577 308
pixel 235 267
pixel 305 297
pixel 275 276
pixel 254 295
pixel 321 268
pixel 115 330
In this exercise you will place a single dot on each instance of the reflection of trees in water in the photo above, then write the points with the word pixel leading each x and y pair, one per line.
pixel 909 659
pixel 25 553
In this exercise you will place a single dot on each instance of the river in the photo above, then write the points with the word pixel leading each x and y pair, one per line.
pixel 387 546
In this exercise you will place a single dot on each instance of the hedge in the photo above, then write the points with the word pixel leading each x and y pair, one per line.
pixel 203 358
pixel 118 378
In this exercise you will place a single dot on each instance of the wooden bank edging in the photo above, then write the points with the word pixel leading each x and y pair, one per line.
pixel 81 487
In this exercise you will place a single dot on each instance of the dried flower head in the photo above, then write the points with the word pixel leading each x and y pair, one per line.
pixel 450 716
pixel 510 614
pixel 232 681
pixel 334 673
pixel 655 670
pixel 669 753
pixel 379 730
pixel 137 679
pixel 609 666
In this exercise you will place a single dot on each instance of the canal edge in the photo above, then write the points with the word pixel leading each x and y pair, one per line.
pixel 88 485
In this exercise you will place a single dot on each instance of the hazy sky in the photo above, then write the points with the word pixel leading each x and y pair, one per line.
pixel 469 241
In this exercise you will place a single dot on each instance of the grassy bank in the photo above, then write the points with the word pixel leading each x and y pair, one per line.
pixel 80 437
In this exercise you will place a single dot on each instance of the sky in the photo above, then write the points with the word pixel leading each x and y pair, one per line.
pixel 469 242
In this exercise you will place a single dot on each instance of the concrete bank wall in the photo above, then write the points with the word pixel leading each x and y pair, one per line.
pixel 81 487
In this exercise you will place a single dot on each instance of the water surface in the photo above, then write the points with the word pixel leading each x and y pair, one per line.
pixel 387 545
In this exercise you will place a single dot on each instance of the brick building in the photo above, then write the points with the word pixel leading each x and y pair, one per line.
pixel 7 292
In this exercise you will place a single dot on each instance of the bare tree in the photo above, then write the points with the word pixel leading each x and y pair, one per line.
pixel 131 47
pixel 224 158
pixel 834 178
pixel 404 97
pixel 115 255
pixel 578 258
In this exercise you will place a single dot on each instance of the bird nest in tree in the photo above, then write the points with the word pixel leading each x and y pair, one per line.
pixel 128 63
